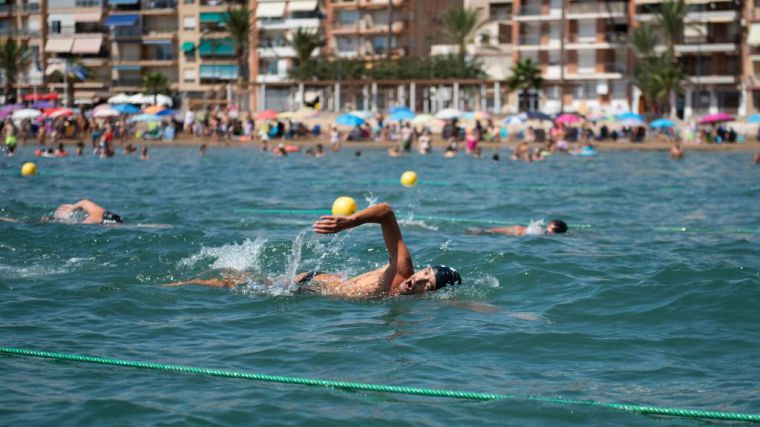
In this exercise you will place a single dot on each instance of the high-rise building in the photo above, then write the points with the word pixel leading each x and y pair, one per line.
pixel 751 56
pixel 23 21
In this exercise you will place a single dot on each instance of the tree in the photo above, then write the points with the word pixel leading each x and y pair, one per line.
pixel 667 80
pixel 525 75
pixel 460 26
pixel 155 83
pixel 71 71
pixel 14 58
pixel 304 42
pixel 238 25
pixel 671 22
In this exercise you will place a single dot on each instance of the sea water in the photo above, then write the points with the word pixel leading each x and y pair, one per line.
pixel 651 298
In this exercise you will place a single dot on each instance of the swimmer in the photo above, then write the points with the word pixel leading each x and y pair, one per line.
pixel 451 150
pixel 396 278
pixel 95 214
pixel 395 151
pixel 555 226
pixel 144 153
pixel 202 150
pixel 80 148
pixel 756 158
pixel 676 152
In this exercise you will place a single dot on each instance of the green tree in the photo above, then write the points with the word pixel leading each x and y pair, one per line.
pixel 667 80
pixel 73 71
pixel 460 26
pixel 237 22
pixel 14 58
pixel 155 83
pixel 524 75
pixel 671 22
pixel 304 42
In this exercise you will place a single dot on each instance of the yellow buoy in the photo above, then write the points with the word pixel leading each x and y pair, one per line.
pixel 344 206
pixel 28 169
pixel 408 179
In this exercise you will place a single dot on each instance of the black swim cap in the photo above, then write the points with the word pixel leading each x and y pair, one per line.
pixel 111 218
pixel 445 276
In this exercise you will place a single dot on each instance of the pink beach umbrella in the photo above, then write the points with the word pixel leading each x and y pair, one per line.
pixel 566 119
pixel 716 118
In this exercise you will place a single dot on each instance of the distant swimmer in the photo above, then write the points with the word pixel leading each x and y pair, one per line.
pixel 95 214
pixel 676 152
pixel 554 226
pixel 396 278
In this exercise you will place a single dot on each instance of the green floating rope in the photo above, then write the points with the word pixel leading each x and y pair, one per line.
pixel 343 385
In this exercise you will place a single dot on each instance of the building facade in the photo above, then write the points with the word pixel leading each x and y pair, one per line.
pixel 24 21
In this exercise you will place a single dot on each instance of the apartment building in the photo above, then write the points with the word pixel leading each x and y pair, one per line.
pixel 751 57
pixel 143 39
pixel 710 52
pixel 23 21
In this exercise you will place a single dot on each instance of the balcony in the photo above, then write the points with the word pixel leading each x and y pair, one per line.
pixel 608 70
pixel 89 4
pixel 536 13
pixel 127 82
pixel 530 39
pixel 596 10
pixel 368 26
pixel 379 4
pixel 345 4
pixel 154 5
pixel 712 16
pixel 288 24
pixel 165 61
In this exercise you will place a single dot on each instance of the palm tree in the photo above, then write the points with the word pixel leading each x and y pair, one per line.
pixel 460 26
pixel 644 39
pixel 667 80
pixel 73 71
pixel 525 75
pixel 304 42
pixel 671 22
pixel 155 83
pixel 238 25
pixel 13 59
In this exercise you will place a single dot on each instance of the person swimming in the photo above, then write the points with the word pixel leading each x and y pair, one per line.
pixel 396 278
pixel 96 214
pixel 554 226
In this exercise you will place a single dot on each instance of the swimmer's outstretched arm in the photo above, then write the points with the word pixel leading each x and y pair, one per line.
pixel 399 259
pixel 219 283
pixel 512 230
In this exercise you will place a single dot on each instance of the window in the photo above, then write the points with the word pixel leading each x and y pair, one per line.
pixel 500 11
pixel 619 90
pixel 552 93
pixel 188 22
pixel 347 44
pixel 55 27
pixel 188 76
pixel 348 17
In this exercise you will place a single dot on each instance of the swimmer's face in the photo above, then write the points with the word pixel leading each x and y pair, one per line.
pixel 418 283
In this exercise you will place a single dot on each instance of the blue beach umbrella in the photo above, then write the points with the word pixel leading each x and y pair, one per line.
pixel 349 120
pixel 126 109
pixel 401 115
pixel 755 118
pixel 167 112
pixel 662 123
pixel 537 115
pixel 145 118
pixel 400 109
pixel 629 116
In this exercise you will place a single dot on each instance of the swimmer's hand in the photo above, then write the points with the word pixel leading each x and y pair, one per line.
pixel 331 224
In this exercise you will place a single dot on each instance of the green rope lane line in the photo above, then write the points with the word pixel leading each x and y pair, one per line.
pixel 650 410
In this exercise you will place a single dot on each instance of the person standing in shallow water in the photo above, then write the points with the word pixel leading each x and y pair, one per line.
pixel 396 278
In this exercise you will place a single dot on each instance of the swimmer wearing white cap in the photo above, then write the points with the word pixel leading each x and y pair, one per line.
pixel 396 278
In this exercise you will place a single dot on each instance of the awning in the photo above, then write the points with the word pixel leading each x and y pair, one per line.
pixel 216 47
pixel 122 1
pixel 163 42
pixel 695 30
pixel 303 5
pixel 753 39
pixel 87 45
pixel 127 67
pixel 270 10
pixel 188 46
pixel 122 20
pixel 217 17
pixel 220 71
pixel 88 17
pixel 59 45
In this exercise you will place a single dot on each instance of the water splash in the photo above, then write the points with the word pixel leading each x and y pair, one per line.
pixel 535 227
pixel 294 259
pixel 371 199
pixel 241 257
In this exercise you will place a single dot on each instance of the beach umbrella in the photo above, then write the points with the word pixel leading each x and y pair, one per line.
pixel 401 115
pixel 43 104
pixel 362 114
pixel 512 120
pixel 349 120
pixel 629 116
pixel 448 114
pixel 631 122
pixel 145 118
pixel 716 118
pixel 54 113
pixel 26 113
pixel 567 119
pixel 537 115
pixel 153 109
pixel 167 112
pixel 421 119
pixel 400 109
pixel 121 98
pixel 126 109
pixel 755 118
pixel 101 113
pixel 662 123
pixel 267 115
pixel 9 109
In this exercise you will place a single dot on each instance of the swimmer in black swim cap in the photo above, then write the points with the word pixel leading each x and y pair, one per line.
pixel 96 214
pixel 430 279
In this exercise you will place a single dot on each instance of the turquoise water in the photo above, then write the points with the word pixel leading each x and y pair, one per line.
pixel 627 307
